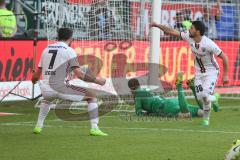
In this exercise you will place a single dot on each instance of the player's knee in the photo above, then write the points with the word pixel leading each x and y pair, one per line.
pixel 206 104
pixel 204 97
pixel 200 113
pixel 205 94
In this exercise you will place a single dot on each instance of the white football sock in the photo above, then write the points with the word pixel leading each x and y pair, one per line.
pixel 43 112
pixel 206 110
pixel 93 114
pixel 206 114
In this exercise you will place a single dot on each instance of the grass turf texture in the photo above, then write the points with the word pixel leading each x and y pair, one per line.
pixel 160 140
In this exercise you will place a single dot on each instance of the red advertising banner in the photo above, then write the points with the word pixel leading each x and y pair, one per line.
pixel 17 58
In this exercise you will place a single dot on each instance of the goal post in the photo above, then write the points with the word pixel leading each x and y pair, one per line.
pixel 154 70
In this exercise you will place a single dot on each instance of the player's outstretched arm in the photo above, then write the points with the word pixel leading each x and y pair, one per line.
pixel 88 77
pixel 36 75
pixel 167 30
pixel 225 68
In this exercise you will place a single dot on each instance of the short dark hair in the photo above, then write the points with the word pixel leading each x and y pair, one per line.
pixel 199 26
pixel 64 34
pixel 133 83
pixel 2 2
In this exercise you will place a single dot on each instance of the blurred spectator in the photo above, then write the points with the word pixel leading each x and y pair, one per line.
pixel 182 21
pixel 8 25
pixel 187 14
pixel 210 16
pixel 101 20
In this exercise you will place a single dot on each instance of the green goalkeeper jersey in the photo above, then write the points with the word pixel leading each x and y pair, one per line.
pixel 147 100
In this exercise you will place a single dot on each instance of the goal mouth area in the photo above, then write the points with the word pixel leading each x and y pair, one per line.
pixel 127 32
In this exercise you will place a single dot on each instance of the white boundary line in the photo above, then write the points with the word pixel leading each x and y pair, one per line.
pixel 31 124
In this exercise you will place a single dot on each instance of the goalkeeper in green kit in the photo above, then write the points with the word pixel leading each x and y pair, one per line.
pixel 147 100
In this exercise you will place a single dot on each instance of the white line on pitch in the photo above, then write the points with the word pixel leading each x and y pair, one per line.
pixel 123 128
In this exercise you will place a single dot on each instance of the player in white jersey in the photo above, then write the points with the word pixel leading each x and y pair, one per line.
pixel 206 67
pixel 57 61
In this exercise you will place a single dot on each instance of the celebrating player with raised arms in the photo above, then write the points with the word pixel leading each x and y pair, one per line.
pixel 206 67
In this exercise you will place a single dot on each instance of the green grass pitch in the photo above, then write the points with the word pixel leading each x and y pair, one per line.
pixel 140 140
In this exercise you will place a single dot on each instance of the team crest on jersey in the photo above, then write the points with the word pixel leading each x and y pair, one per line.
pixel 203 49
pixel 212 83
pixel 197 46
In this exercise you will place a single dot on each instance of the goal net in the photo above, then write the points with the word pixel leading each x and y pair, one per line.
pixel 112 38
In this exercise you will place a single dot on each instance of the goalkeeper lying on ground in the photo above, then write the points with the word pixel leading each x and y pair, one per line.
pixel 147 100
